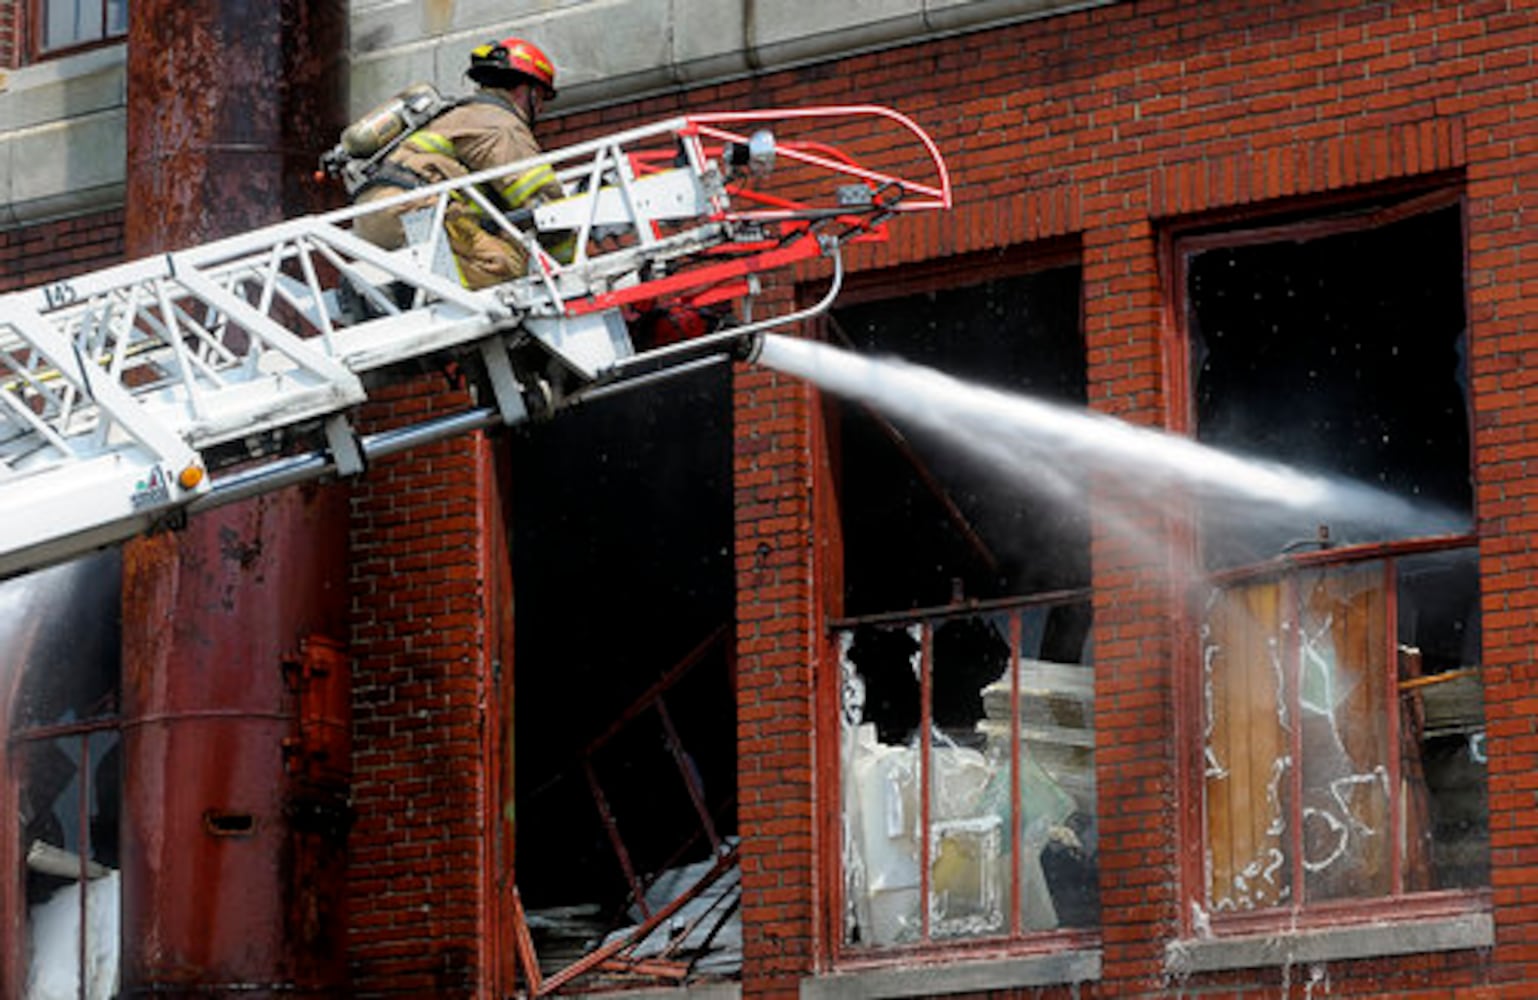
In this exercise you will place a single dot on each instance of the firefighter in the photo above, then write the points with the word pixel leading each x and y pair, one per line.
pixel 492 128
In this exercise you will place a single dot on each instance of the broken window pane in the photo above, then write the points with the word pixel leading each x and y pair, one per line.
pixel 64 749
pixel 1343 710
pixel 1442 705
pixel 1009 762
pixel 1389 794
pixel 69 813
pixel 969 804
pixel 1247 753
pixel 70 673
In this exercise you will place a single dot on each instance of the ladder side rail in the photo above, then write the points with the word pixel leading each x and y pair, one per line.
pixel 58 514
pixel 231 251
pixel 685 128
pixel 547 158
pixel 71 295
pixel 939 192
pixel 413 334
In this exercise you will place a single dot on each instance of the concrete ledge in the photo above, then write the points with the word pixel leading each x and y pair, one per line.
pixel 63 130
pixel 669 44
pixel 56 89
pixel 1055 969
pixel 1378 940
pixel 701 991
pixel 66 205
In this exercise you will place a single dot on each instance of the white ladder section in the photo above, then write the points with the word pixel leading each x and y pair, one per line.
pixel 136 394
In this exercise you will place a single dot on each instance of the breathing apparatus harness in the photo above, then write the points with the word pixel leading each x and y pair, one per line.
pixel 360 160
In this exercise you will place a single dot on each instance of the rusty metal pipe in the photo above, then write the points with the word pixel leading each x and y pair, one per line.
pixel 229 103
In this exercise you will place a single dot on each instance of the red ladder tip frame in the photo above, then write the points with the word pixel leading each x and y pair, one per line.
pixel 808 193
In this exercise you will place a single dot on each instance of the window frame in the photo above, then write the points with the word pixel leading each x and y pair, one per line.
pixel 35 11
pixel 837 954
pixel 1015 938
pixel 1178 243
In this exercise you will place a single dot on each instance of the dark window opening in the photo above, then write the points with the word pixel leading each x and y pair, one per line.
pixel 625 713
pixel 1342 749
pixel 921 520
pixel 966 695
pixel 1338 346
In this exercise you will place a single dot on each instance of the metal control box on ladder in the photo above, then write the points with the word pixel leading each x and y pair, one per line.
pixel 133 396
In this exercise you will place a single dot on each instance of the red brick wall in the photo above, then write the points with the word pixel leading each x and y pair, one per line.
pixel 777 562
pixel 1108 125
pixel 1104 125
pixel 11 14
pixel 424 643
pixel 52 250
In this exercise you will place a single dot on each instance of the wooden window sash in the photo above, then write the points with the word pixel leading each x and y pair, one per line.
pixel 36 17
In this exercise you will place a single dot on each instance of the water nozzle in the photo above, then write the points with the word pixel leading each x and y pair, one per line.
pixel 747 348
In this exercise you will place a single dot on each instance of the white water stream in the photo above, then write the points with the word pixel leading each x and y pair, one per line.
pixel 1060 453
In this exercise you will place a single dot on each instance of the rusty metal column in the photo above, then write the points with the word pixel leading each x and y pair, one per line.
pixel 233 839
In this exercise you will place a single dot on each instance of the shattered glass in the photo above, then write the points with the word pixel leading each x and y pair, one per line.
pixel 978 711
pixel 1343 703
pixel 1336 751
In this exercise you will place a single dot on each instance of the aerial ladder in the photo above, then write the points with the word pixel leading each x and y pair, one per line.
pixel 135 395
